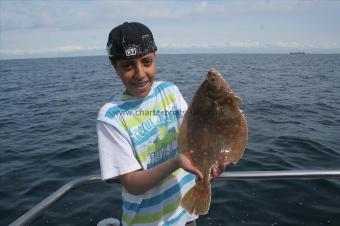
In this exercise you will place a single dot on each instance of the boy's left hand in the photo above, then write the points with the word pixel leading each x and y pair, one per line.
pixel 217 170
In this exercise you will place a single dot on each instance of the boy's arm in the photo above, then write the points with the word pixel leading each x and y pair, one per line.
pixel 140 181
pixel 116 160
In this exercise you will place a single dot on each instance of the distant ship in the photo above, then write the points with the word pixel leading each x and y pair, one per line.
pixel 295 53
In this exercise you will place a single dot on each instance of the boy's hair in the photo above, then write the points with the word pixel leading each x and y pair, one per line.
pixel 130 40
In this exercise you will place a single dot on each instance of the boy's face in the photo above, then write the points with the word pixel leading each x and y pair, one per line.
pixel 137 74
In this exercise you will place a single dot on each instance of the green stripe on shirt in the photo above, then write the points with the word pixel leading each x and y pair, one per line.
pixel 149 218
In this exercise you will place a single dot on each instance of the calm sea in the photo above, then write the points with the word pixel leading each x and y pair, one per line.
pixel 48 113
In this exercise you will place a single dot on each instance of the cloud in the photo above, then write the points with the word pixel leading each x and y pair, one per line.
pixel 53 50
pixel 69 15
pixel 299 45
pixel 254 45
pixel 56 27
pixel 247 46
pixel 232 44
pixel 17 15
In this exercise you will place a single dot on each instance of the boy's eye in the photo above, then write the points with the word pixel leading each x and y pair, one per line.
pixel 127 66
pixel 147 61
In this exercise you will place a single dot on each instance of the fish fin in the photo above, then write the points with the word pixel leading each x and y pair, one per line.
pixel 182 138
pixel 237 101
pixel 197 199
pixel 239 146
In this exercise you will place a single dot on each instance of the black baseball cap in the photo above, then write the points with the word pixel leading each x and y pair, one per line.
pixel 130 40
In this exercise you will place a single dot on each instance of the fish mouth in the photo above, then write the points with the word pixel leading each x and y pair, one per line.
pixel 213 75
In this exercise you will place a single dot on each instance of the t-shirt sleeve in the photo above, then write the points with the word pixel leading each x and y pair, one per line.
pixel 115 152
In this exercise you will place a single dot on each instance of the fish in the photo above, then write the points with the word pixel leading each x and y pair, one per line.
pixel 214 130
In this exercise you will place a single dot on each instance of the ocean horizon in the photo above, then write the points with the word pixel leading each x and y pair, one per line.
pixel 173 52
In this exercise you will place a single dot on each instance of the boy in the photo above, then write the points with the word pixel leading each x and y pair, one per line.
pixel 137 134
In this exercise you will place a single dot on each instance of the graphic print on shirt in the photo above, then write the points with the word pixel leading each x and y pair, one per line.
pixel 167 148
pixel 154 139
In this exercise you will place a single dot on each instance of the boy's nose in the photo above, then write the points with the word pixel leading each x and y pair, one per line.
pixel 140 73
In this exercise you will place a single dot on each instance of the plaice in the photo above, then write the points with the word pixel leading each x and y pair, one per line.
pixel 214 130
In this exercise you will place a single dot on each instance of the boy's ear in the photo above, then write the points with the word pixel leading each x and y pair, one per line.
pixel 114 63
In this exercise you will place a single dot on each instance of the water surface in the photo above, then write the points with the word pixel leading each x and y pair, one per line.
pixel 292 104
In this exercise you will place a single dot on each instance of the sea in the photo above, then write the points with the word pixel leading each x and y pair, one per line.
pixel 48 110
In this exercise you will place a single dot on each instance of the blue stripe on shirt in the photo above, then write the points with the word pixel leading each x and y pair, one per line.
pixel 158 199
pixel 173 221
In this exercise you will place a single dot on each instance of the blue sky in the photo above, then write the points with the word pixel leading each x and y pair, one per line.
pixel 34 28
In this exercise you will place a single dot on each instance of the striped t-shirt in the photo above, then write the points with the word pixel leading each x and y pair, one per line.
pixel 140 134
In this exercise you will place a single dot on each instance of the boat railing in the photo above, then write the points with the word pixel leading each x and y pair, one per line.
pixel 37 210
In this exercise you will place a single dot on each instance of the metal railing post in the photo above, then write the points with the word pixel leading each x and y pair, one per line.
pixel 33 213
pixel 278 175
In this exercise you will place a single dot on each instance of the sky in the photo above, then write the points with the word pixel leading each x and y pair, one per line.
pixel 33 28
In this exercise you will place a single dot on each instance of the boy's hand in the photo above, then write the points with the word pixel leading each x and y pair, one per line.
pixel 185 163
pixel 217 170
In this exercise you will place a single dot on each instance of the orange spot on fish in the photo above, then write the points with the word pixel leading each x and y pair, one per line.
pixel 205 153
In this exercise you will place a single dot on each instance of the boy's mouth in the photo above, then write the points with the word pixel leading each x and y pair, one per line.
pixel 141 86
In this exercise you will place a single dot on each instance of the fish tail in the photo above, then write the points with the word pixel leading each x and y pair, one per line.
pixel 197 199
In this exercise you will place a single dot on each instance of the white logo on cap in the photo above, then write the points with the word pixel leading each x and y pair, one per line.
pixel 131 51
